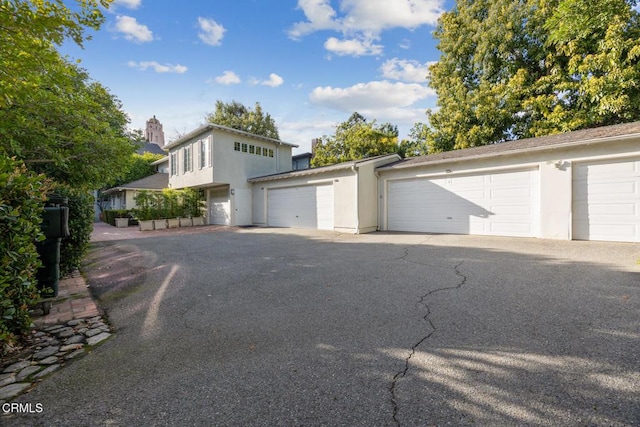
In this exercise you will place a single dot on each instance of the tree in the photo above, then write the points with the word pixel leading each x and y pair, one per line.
pixel 235 115
pixel 356 139
pixel 517 69
pixel 52 115
pixel 73 131
pixel 138 167
pixel 599 43
pixel 28 31
pixel 418 144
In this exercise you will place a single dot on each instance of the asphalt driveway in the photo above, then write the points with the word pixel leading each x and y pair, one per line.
pixel 254 327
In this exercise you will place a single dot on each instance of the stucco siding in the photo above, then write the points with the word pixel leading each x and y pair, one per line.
pixel 555 166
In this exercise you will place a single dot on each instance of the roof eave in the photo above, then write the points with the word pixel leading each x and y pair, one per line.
pixel 517 151
pixel 208 127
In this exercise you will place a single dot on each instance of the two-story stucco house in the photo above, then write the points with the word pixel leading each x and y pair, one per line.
pixel 219 160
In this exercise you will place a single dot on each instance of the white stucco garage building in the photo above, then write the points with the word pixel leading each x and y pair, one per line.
pixel 342 197
pixel 582 185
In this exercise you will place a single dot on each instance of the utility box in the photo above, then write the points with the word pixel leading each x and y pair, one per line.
pixel 55 226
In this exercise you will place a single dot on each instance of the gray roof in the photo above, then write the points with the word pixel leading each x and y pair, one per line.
pixel 156 181
pixel 549 142
pixel 323 169
pixel 205 128
pixel 150 147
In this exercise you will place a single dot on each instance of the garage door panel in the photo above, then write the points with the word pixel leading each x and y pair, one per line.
pixel 606 200
pixel 220 210
pixel 500 203
pixel 511 195
pixel 307 206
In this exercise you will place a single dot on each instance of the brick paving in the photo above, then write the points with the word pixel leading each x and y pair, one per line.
pixel 74 301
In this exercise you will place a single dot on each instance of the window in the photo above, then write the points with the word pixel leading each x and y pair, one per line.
pixel 270 152
pixel 244 147
pixel 173 166
pixel 205 152
pixel 258 151
pixel 265 152
pixel 252 149
pixel 187 164
pixel 236 146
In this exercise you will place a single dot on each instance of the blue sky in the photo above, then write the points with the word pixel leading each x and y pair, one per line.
pixel 310 63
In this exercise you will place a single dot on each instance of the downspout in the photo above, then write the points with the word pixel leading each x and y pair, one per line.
pixel 379 203
pixel 355 171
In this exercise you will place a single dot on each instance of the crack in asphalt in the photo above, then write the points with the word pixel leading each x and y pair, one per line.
pixel 427 318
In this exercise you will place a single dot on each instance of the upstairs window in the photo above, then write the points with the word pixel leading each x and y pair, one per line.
pixel 244 147
pixel 236 146
pixel 270 152
pixel 204 152
pixel 187 162
pixel 173 164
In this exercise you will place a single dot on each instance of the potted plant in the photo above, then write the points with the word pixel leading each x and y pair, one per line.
pixel 144 200
pixel 172 206
pixel 159 212
pixel 122 219
pixel 194 205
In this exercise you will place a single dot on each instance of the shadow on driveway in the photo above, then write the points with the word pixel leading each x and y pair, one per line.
pixel 284 327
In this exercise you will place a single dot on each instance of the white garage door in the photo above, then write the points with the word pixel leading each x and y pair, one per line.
pixel 219 208
pixel 499 203
pixel 308 206
pixel 606 201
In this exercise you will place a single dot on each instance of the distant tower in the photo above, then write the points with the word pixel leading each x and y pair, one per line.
pixel 154 132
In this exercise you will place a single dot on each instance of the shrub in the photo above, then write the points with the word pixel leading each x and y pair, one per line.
pixel 145 201
pixel 81 214
pixel 193 202
pixel 171 202
pixel 22 196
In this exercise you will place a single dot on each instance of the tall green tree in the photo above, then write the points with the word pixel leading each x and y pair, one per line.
pixel 52 115
pixel 516 69
pixel 417 144
pixel 28 30
pixel 356 139
pixel 237 116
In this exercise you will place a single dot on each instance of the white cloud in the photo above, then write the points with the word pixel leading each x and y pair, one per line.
pixel 352 47
pixel 379 15
pixel 320 16
pixel 228 78
pixel 364 20
pixel 376 95
pixel 405 70
pixel 132 30
pixel 273 81
pixel 157 67
pixel 129 4
pixel 211 32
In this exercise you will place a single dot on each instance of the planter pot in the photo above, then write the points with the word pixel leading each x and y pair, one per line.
pixel 159 224
pixel 197 220
pixel 185 222
pixel 145 225
pixel 173 222
pixel 122 222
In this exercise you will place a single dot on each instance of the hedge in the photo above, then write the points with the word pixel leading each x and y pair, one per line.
pixel 22 196
pixel 81 213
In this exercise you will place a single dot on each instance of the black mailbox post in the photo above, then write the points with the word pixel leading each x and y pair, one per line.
pixel 55 226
